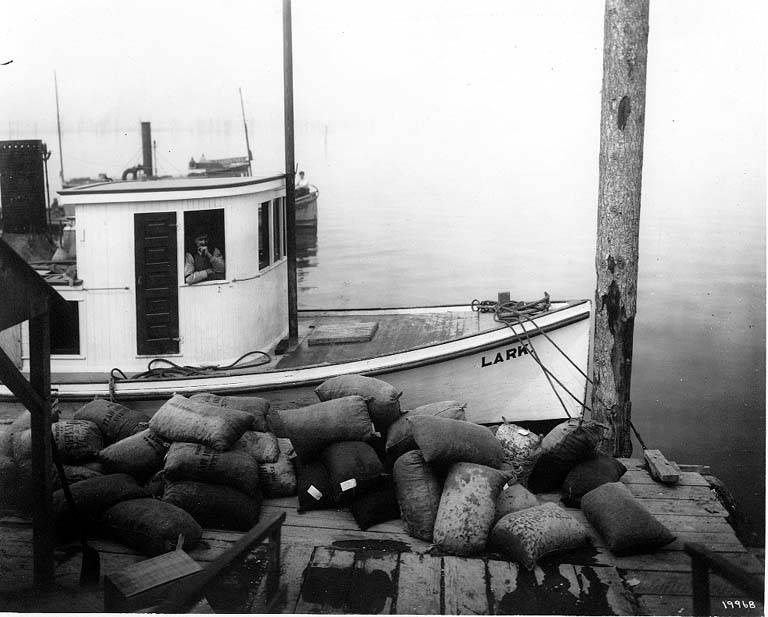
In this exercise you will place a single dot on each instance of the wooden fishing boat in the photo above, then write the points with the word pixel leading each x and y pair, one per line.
pixel 132 303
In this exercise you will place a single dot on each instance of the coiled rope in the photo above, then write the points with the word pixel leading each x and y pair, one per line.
pixel 162 368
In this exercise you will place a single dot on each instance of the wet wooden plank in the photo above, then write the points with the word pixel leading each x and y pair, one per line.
pixel 662 505
pixel 326 582
pixel 502 582
pixel 608 582
pixel 464 586
pixel 418 585
pixel 683 605
pixel 682 507
pixel 677 584
pixel 330 519
pixel 294 560
pixel 656 491
pixel 677 523
pixel 670 561
pixel 373 585
pixel 640 476
pixel 350 539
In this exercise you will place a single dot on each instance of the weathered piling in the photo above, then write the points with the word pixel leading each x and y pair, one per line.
pixel 622 123
pixel 290 177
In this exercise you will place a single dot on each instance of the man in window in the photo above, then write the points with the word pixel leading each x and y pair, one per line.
pixel 202 263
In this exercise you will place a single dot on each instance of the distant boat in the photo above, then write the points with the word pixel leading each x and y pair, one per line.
pixel 306 207
pixel 235 166
pixel 131 306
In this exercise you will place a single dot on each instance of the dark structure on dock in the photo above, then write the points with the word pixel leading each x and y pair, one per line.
pixel 29 297
pixel 23 185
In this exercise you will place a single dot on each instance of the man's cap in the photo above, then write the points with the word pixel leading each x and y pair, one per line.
pixel 200 234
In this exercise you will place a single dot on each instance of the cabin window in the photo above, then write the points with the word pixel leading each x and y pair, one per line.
pixel 65 329
pixel 285 226
pixel 204 246
pixel 264 231
pixel 277 236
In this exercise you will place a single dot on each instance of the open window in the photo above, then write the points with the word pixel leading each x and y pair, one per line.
pixel 65 329
pixel 204 246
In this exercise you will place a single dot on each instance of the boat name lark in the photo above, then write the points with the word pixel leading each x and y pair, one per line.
pixel 512 352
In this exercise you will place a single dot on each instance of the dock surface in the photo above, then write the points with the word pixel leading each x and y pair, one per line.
pixel 329 566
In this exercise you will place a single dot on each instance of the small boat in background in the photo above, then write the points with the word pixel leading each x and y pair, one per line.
pixel 211 168
pixel 306 207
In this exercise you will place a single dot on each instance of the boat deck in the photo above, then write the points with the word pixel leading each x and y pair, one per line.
pixel 394 332
pixel 330 566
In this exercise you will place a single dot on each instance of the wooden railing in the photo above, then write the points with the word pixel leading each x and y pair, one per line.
pixel 189 591
pixel 702 561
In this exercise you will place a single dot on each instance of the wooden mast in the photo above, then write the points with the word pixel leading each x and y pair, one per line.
pixel 290 177
pixel 622 123
pixel 58 127
pixel 245 128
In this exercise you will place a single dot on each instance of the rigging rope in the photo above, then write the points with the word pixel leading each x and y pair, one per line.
pixel 515 312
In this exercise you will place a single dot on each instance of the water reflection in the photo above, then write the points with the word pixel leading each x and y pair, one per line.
pixel 306 252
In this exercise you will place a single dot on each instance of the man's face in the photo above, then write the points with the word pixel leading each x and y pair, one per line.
pixel 201 244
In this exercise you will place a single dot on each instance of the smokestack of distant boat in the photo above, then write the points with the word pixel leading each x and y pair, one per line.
pixel 146 150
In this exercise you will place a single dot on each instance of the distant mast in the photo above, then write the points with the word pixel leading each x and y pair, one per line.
pixel 58 126
pixel 245 126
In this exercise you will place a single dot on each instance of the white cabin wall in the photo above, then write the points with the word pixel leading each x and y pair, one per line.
pixel 218 320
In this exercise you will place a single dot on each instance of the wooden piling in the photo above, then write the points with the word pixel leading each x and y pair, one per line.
pixel 622 123
pixel 290 178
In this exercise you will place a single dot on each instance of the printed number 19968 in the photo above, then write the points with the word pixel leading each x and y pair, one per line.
pixel 739 604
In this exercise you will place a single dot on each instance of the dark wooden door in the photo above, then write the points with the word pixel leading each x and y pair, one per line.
pixel 157 290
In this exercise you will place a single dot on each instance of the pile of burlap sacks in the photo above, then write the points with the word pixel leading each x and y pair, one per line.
pixel 207 461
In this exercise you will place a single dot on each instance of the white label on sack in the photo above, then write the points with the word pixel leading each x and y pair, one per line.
pixel 348 484
pixel 523 431
pixel 374 431
pixel 314 492
pixel 506 486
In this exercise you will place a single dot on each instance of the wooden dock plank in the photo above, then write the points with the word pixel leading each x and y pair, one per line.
pixel 608 582
pixel 663 505
pixel 360 539
pixel 326 581
pixel 294 560
pixel 464 586
pixel 662 469
pixel 677 523
pixel 669 561
pixel 683 605
pixel 640 476
pixel 657 491
pixel 502 582
pixel 418 585
pixel 678 584
pixel 373 585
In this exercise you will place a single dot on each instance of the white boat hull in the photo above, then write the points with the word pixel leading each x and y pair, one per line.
pixel 493 372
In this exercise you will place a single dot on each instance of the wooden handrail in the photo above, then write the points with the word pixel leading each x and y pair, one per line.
pixel 702 561
pixel 191 589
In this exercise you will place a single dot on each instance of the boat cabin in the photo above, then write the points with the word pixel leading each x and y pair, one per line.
pixel 134 243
